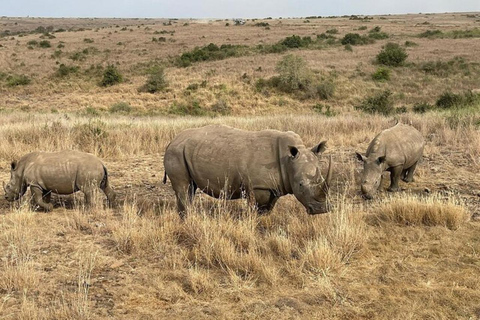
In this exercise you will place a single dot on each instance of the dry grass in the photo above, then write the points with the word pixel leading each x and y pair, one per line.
pixel 140 261
pixel 430 211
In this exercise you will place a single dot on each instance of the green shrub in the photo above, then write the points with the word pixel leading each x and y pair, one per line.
pixel 120 107
pixel 325 90
pixel 193 109
pixel 44 44
pixel 111 76
pixel 449 100
pixel 445 68
pixel 18 80
pixel 78 56
pixel 410 44
pixel 380 103
pixel 64 70
pixel 422 107
pixel 363 28
pixel 355 39
pixel 348 47
pixel 294 73
pixel 32 43
pixel 261 24
pixel 88 40
pixel 332 31
pixel 392 55
pixel 221 107
pixel 375 33
pixel 209 53
pixel 381 74
pixel 296 42
pixel 156 81
pixel 431 34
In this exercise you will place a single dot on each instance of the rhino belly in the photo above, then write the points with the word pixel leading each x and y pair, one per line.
pixel 217 186
pixel 60 185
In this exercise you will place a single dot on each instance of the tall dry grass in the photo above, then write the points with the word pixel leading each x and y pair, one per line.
pixel 432 210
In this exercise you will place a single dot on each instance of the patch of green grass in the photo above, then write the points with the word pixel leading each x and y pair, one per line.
pixel 381 74
pixel 18 80
pixel 120 107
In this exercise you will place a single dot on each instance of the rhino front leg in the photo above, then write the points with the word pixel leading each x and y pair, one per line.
pixel 111 196
pixel 264 200
pixel 410 171
pixel 39 200
pixel 395 175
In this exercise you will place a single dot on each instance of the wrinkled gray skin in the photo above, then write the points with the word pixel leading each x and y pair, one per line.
pixel 397 150
pixel 63 172
pixel 265 165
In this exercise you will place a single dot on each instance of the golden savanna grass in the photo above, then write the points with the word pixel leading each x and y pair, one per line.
pixel 405 256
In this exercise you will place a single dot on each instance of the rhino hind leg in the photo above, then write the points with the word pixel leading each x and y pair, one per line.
pixel 38 197
pixel 184 192
pixel 395 175
pixel 408 176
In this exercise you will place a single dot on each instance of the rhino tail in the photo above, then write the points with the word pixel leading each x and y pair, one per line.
pixel 104 182
pixel 165 177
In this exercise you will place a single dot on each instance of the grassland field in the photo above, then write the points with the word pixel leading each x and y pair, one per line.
pixel 123 88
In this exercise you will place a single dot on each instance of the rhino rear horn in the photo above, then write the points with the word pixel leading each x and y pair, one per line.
pixel 4 188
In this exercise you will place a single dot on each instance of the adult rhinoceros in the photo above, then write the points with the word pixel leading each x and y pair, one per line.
pixel 63 172
pixel 267 164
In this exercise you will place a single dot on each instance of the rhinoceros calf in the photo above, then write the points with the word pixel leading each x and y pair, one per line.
pixel 63 172
pixel 398 150
pixel 265 164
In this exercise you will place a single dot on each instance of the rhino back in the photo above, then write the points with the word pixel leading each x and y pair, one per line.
pixel 401 144
pixel 219 156
pixel 63 172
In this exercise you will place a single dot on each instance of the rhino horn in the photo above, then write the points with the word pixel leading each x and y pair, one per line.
pixel 329 174
pixel 4 188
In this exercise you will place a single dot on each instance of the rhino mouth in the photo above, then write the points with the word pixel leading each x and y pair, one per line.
pixel 321 209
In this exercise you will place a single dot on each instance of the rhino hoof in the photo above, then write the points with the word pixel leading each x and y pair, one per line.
pixel 390 189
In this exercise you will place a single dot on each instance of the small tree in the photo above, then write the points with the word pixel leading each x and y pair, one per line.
pixel 111 76
pixel 156 81
pixel 294 73
pixel 392 55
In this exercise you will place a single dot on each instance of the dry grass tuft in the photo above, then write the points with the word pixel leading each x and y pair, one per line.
pixel 430 211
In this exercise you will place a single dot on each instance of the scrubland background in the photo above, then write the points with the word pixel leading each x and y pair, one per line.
pixel 121 89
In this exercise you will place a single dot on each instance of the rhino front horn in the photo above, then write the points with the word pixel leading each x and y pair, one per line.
pixel 329 173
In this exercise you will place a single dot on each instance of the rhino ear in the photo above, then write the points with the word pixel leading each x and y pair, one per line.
pixel 381 159
pixel 360 157
pixel 293 152
pixel 13 165
pixel 320 148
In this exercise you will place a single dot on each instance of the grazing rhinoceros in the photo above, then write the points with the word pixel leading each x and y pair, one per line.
pixel 63 172
pixel 266 165
pixel 398 150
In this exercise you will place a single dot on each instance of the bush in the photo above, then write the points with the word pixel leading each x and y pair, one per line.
pixel 392 55
pixel 422 107
pixel 294 74
pixel 375 33
pixel 325 90
pixel 64 70
pixel 410 44
pixel 120 107
pixel 209 53
pixel 111 76
pixel 193 109
pixel 156 81
pixel 332 31
pixel 355 39
pixel 380 103
pixel 296 42
pixel 328 112
pixel 381 74
pixel 44 44
pixel 88 40
pixel 18 80
pixel 431 34
pixel 221 107
pixel 348 47
pixel 32 43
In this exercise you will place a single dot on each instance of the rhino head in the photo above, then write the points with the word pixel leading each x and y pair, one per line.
pixel 15 187
pixel 306 180
pixel 373 167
